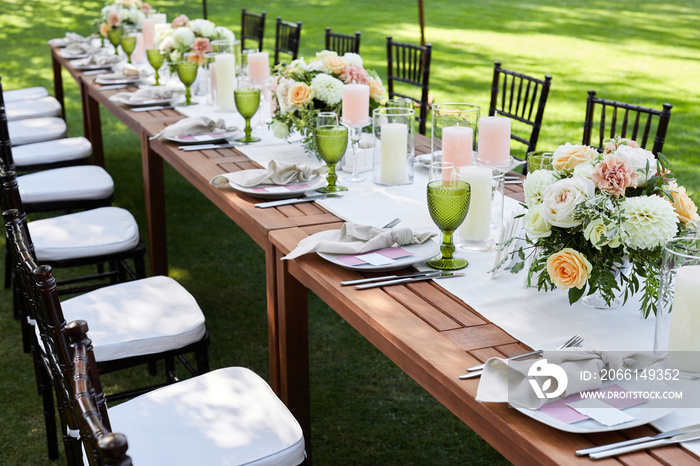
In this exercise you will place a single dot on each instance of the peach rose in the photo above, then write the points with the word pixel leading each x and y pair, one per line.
pixel 300 93
pixel 104 29
pixel 568 268
pixel 376 89
pixel 335 64
pixel 566 157
pixel 684 206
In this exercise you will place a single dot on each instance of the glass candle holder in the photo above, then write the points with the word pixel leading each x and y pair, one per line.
pixel 677 316
pixel 394 145
pixel 482 227
pixel 455 132
pixel 222 46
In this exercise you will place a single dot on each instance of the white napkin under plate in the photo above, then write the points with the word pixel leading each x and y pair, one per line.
pixel 357 239
pixel 194 126
pixel 102 58
pixel 147 93
pixel 508 382
pixel 279 173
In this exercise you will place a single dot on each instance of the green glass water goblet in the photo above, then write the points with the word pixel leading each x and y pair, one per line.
pixel 539 160
pixel 331 143
pixel 156 59
pixel 128 44
pixel 448 204
pixel 187 72
pixel 247 102
pixel 115 36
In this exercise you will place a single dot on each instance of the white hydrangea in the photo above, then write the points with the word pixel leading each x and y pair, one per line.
pixel 222 33
pixel 202 27
pixel 297 66
pixel 585 170
pixel 650 221
pixel 353 59
pixel 183 36
pixel 327 89
pixel 279 129
pixel 535 184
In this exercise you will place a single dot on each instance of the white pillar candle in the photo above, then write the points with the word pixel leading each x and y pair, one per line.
pixel 356 104
pixel 394 163
pixel 212 83
pixel 457 145
pixel 225 81
pixel 684 336
pixel 259 66
pixel 148 33
pixel 494 141
pixel 476 225
pixel 158 18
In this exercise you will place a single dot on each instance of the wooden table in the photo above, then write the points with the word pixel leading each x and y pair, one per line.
pixel 426 331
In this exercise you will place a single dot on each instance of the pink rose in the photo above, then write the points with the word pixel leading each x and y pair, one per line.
pixel 612 145
pixel 113 19
pixel 201 46
pixel 355 74
pixel 146 8
pixel 614 175
pixel 180 21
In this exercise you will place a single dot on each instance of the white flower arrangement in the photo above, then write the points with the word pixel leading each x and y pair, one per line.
pixel 185 35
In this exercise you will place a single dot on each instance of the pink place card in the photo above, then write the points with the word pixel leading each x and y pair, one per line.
pixel 561 412
pixel 202 137
pixel 276 188
pixel 389 253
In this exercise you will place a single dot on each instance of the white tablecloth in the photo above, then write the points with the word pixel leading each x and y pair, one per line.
pixel 540 320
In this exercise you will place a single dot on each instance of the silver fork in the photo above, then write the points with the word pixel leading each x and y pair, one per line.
pixel 475 371
pixel 393 223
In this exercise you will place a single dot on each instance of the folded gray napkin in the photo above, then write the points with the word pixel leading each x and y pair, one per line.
pixel 193 126
pixel 279 173
pixel 70 38
pixel 508 382
pixel 102 58
pixel 79 48
pixel 147 93
pixel 357 239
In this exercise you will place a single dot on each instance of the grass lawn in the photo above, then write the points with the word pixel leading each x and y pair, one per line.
pixel 364 409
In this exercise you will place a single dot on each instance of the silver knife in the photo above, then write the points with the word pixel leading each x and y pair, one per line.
pixel 115 86
pixel 646 445
pixel 471 375
pixel 155 107
pixel 264 205
pixel 408 280
pixel 389 277
pixel 98 71
pixel 662 435
pixel 208 146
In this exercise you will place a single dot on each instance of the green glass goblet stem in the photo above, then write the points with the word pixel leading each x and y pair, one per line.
pixel 448 204
pixel 187 72
pixel 331 142
pixel 247 102
pixel 115 36
pixel 128 45
pixel 156 59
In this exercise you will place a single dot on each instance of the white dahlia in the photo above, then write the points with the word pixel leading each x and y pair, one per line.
pixel 535 184
pixel 327 89
pixel 650 221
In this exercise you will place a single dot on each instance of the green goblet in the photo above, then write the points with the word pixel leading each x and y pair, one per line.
pixel 331 143
pixel 448 204
pixel 156 59
pixel 115 36
pixel 187 72
pixel 247 102
pixel 128 45
pixel 539 160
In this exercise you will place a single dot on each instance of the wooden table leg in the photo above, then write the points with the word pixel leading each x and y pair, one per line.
pixel 272 318
pixel 154 194
pixel 58 82
pixel 293 337
pixel 92 125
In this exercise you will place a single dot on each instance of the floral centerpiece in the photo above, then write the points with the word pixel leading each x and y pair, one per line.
pixel 305 89
pixel 185 36
pixel 121 12
pixel 597 223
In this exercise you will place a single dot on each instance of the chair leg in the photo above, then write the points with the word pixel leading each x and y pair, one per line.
pixel 8 267
pixel 201 356
pixel 46 392
pixel 152 368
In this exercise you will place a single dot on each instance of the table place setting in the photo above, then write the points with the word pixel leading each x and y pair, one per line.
pixel 150 97
pixel 98 61
pixel 78 50
pixel 127 74
pixel 71 38
pixel 197 130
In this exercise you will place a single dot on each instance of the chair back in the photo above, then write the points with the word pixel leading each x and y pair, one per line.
pixel 410 64
pixel 6 160
pixel 636 121
pixel 342 43
pixel 287 36
pixel 521 98
pixel 252 28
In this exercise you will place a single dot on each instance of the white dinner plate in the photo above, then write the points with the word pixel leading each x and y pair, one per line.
pixel 73 56
pixel 101 80
pixel 643 413
pixel 420 252
pixel 281 192
pixel 83 66
pixel 202 138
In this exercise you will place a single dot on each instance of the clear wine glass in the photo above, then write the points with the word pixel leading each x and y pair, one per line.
pixel 448 203
pixel 187 72
pixel 156 59
pixel 247 99
pixel 331 142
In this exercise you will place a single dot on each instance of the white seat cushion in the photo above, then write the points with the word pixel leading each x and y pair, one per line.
pixel 106 230
pixel 42 107
pixel 81 182
pixel 138 317
pixel 28 93
pixel 225 417
pixel 61 150
pixel 36 130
